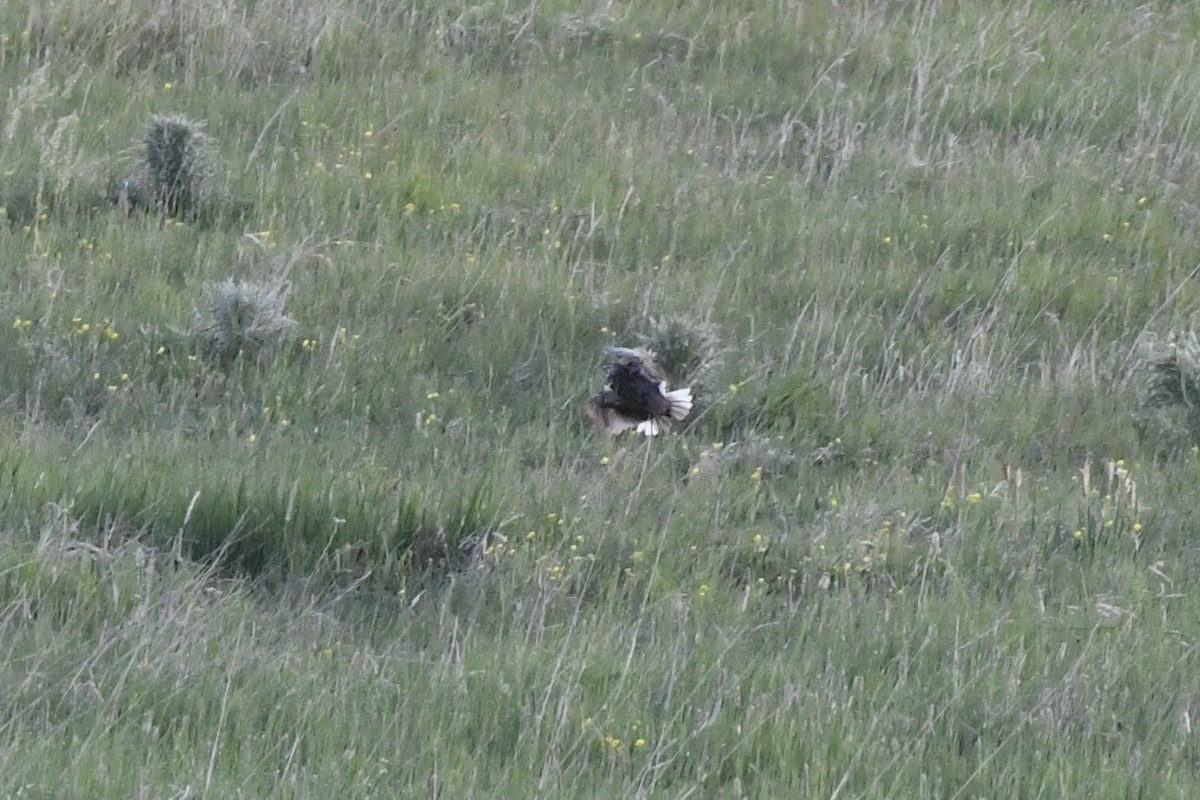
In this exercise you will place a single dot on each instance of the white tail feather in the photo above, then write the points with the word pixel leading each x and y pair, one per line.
pixel 681 402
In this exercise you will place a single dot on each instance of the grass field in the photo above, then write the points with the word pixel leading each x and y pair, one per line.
pixel 931 269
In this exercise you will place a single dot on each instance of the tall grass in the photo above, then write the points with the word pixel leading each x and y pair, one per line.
pixel 296 493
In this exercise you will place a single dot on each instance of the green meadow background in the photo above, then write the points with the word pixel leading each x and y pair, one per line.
pixel 928 533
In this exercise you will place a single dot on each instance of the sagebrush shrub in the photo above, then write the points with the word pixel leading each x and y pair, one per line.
pixel 247 318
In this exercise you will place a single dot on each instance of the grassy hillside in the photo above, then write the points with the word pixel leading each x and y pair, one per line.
pixel 297 497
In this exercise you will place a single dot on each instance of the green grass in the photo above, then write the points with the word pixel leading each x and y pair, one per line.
pixel 926 534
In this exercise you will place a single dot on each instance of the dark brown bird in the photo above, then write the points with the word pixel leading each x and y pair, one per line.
pixel 636 396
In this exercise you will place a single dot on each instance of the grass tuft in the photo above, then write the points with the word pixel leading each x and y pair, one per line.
pixel 1168 402
pixel 177 165
pixel 247 319
pixel 687 350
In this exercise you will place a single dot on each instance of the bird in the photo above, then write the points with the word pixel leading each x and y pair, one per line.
pixel 636 396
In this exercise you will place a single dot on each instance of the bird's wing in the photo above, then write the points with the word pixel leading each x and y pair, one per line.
pixel 624 352
pixel 606 417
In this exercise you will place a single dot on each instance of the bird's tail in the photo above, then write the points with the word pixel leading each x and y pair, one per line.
pixel 681 402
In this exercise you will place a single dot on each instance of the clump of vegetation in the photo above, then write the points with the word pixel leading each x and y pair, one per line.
pixel 247 318
pixel 175 169
pixel 176 158
pixel 686 350
pixel 1169 395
